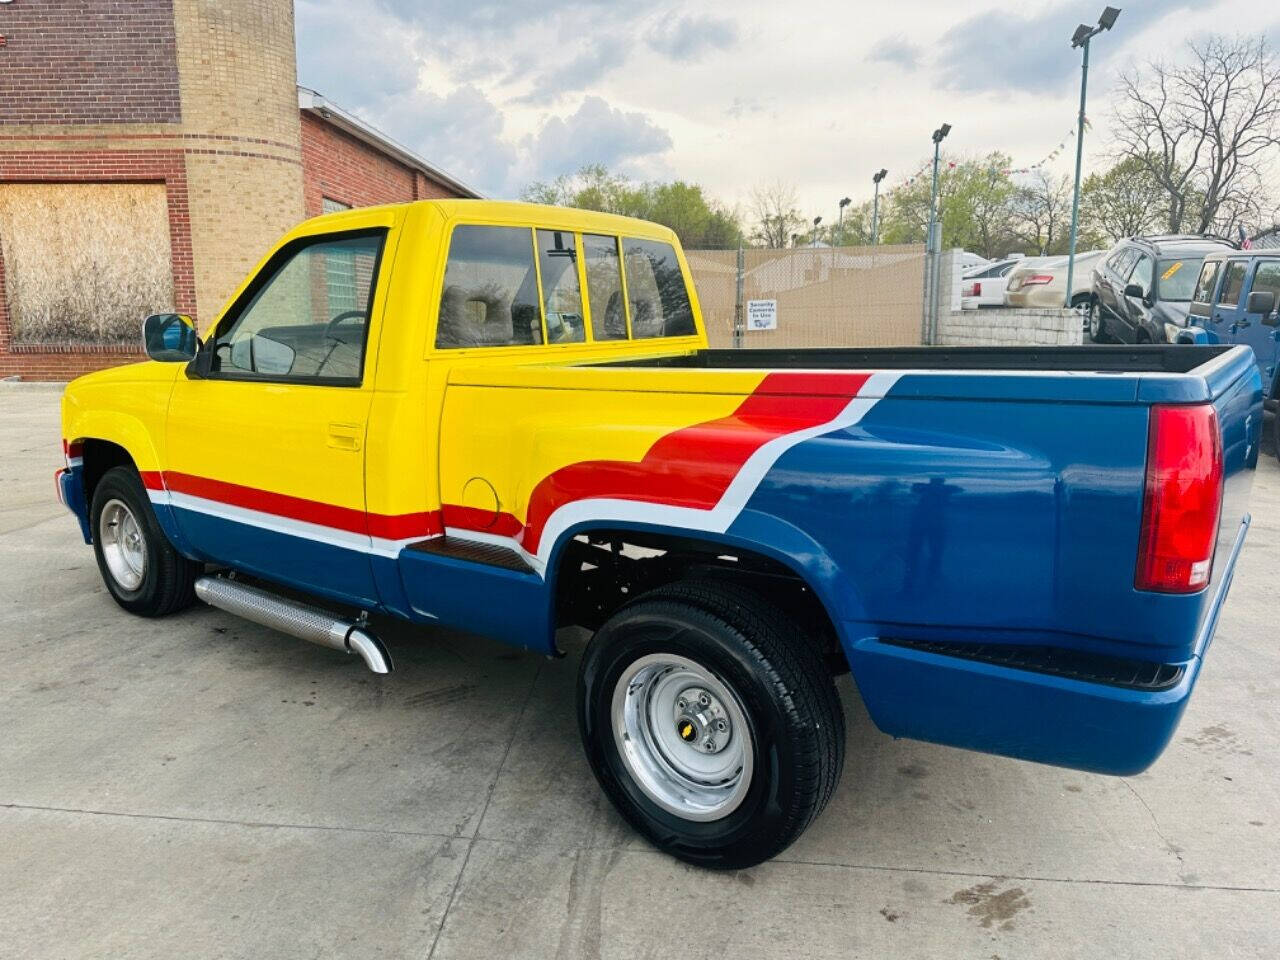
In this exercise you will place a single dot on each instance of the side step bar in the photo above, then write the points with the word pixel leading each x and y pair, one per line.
pixel 296 619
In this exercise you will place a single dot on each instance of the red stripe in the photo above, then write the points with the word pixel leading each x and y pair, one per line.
pixel 693 467
pixel 74 448
pixel 482 521
pixel 402 526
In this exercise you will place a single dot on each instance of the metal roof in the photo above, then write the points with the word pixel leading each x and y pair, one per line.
pixel 316 103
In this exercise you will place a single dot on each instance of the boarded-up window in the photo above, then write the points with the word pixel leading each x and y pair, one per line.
pixel 84 263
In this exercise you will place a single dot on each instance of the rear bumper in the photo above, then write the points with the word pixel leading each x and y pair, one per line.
pixel 1037 296
pixel 1057 719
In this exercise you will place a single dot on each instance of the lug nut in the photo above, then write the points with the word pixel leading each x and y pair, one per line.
pixel 704 700
pixel 682 703
pixel 721 726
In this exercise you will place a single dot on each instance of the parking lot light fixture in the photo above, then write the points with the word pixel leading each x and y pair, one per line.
pixel 844 202
pixel 1084 33
pixel 816 221
pixel 875 205
pixel 933 245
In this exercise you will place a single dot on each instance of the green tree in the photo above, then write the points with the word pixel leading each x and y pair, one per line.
pixel 1123 201
pixel 975 200
pixel 697 220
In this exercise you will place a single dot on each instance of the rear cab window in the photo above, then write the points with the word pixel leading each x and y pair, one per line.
pixel 524 286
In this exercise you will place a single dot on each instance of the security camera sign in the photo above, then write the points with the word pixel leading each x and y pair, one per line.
pixel 762 314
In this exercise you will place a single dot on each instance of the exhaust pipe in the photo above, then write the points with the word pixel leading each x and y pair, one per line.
pixel 296 619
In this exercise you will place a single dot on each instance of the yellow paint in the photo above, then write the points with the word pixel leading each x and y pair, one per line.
pixel 424 422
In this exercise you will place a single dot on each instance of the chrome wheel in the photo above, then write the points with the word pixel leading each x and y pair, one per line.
pixel 123 548
pixel 683 736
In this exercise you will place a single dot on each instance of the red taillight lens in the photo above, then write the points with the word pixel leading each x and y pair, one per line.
pixel 1183 500
pixel 1037 278
pixel 977 289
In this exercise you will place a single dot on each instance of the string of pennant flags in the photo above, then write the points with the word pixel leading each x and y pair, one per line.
pixel 1057 151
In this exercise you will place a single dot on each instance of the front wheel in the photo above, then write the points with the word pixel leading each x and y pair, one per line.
pixel 711 722
pixel 141 569
pixel 1094 323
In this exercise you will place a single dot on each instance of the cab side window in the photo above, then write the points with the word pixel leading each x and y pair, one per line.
pixel 604 287
pixel 1232 283
pixel 656 289
pixel 306 316
pixel 1143 273
pixel 490 295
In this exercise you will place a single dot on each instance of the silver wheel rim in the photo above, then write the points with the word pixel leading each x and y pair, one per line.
pixel 123 548
pixel 683 736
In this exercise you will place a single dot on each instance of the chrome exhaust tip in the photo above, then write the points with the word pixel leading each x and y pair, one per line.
pixel 296 619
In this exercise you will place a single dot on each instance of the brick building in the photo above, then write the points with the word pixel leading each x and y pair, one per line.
pixel 150 152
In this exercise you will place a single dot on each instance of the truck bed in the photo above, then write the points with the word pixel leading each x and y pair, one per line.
pixel 1157 358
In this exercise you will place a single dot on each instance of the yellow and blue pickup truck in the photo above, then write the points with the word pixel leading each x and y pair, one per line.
pixel 504 418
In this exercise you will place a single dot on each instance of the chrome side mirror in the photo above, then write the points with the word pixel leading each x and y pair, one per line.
pixel 170 337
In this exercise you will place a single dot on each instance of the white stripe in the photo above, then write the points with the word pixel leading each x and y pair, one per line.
pixel 717 519
pixel 74 461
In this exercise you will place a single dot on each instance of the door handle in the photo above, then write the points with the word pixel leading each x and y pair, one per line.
pixel 345 436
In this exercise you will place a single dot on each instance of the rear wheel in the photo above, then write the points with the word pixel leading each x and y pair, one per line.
pixel 711 722
pixel 141 569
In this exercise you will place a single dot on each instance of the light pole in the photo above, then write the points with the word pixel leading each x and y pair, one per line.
pixel 875 206
pixel 932 246
pixel 844 202
pixel 813 241
pixel 1084 33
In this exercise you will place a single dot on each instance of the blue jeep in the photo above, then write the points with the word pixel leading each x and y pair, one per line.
pixel 1236 301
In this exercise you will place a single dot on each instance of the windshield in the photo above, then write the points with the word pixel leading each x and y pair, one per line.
pixel 1178 278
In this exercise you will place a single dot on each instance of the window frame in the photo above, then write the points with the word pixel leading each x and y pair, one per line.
pixel 1243 263
pixel 580 232
pixel 264 276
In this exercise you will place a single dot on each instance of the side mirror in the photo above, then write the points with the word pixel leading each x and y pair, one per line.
pixel 1263 302
pixel 170 337
pixel 1135 291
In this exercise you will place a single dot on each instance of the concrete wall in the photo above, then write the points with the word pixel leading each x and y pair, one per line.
pixel 1006 327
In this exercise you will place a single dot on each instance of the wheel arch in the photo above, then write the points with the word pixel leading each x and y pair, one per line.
pixel 800 575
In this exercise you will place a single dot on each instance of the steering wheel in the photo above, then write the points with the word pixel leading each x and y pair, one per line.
pixel 340 319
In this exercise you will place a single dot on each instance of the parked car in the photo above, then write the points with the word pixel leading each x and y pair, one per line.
pixel 1142 288
pixel 983 286
pixel 1237 301
pixel 504 419
pixel 1043 283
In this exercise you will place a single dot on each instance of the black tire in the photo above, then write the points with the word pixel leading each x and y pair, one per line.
pixel 168 578
pixel 1275 432
pixel 1097 313
pixel 788 698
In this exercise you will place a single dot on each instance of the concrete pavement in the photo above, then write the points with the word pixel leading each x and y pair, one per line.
pixel 202 787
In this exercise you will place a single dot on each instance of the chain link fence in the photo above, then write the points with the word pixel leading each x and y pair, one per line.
pixel 826 296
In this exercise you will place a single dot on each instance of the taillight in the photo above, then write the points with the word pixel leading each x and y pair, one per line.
pixel 1183 499
pixel 977 289
pixel 1037 278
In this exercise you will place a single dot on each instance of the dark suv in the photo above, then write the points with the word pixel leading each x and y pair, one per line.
pixel 1142 288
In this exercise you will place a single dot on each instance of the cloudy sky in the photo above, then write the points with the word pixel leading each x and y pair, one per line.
pixel 818 93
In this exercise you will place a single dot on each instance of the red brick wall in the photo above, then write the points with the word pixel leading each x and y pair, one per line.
pixel 97 166
pixel 87 61
pixel 340 167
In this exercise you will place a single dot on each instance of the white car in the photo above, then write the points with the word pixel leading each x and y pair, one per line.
pixel 984 286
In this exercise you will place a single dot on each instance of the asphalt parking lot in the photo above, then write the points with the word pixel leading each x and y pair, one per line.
pixel 202 787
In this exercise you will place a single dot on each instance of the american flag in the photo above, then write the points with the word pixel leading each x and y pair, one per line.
pixel 1245 242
